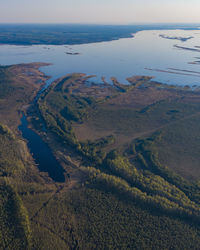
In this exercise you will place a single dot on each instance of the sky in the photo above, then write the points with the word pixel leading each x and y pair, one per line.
pixel 100 11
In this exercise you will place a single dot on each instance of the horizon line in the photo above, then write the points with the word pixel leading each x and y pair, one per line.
pixel 105 24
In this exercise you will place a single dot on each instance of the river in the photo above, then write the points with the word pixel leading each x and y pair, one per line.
pixel 42 154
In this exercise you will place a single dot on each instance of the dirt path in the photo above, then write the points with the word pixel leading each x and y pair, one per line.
pixel 59 190
pixel 46 202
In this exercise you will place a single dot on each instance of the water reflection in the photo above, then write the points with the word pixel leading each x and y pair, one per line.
pixel 41 153
pixel 122 58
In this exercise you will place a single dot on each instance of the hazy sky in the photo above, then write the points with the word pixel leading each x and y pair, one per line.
pixel 99 11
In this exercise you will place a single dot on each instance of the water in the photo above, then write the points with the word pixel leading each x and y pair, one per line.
pixel 122 58
pixel 41 153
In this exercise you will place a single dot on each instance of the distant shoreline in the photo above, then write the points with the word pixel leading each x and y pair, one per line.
pixel 27 35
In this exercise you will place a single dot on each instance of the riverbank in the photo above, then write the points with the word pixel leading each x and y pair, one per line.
pixel 22 83
pixel 19 85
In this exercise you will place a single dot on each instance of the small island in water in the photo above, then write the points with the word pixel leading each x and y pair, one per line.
pixel 73 53
pixel 182 39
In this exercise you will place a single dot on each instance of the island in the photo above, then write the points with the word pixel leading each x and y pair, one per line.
pixel 187 48
pixel 182 39
pixel 72 53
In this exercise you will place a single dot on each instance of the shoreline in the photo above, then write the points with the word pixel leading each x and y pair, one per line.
pixel 117 32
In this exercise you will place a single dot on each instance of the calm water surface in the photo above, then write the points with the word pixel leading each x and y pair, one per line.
pixel 122 58
pixel 41 153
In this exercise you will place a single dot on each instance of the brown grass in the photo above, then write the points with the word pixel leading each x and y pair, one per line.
pixel 26 80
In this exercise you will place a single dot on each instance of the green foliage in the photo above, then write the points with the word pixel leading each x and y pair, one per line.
pixel 88 217
pixel 59 108
pixel 57 124
pixel 14 224
pixel 148 149
pixel 4 130
pixel 93 149
pixel 164 197
pixel 11 161
pixel 104 221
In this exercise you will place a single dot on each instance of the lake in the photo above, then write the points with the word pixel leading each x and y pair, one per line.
pixel 158 53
